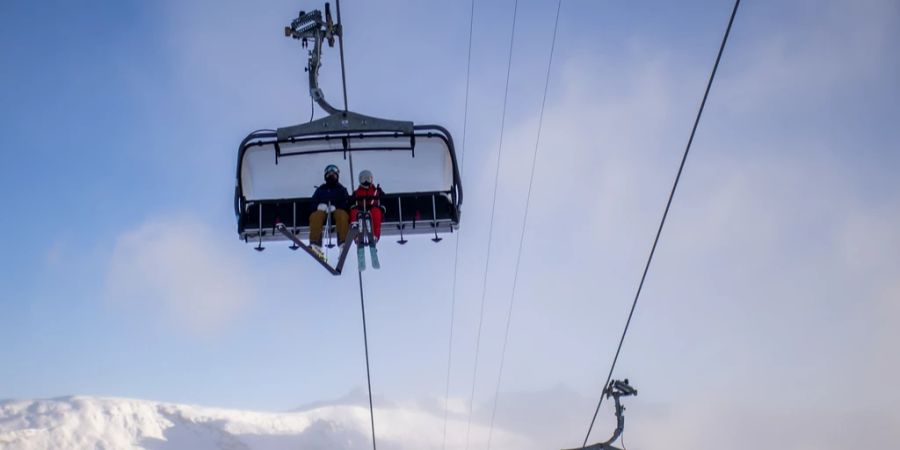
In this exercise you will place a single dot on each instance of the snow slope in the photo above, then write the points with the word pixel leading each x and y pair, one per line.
pixel 113 423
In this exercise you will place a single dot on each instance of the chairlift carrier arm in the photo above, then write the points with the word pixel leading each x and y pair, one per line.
pixel 311 26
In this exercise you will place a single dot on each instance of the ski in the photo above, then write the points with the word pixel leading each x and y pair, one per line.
pixel 373 252
pixel 345 249
pixel 320 257
pixel 361 256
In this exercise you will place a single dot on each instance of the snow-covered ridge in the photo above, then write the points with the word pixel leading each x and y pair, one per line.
pixel 114 423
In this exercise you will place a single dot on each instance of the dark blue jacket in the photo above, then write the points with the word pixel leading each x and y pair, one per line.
pixel 335 194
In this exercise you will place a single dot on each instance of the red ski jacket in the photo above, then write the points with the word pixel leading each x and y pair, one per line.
pixel 370 197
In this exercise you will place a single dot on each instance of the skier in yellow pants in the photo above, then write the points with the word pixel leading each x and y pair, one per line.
pixel 333 198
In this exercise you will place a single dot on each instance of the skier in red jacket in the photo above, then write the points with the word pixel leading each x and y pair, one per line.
pixel 367 197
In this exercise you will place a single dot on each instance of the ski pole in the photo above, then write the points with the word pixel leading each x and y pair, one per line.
pixel 328 226
pixel 401 226
pixel 259 247
pixel 365 219
pixel 434 224
pixel 294 245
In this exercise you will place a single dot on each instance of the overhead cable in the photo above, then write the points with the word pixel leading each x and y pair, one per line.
pixel 534 156
pixel 487 260
pixel 456 250
pixel 362 300
pixel 662 222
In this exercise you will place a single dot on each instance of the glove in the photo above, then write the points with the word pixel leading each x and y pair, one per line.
pixel 322 207
pixel 332 208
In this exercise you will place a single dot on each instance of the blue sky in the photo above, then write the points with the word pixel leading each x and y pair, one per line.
pixel 122 274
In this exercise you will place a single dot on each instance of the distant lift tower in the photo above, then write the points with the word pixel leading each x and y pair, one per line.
pixel 616 389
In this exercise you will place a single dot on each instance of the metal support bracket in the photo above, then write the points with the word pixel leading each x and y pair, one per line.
pixel 311 26
pixel 616 389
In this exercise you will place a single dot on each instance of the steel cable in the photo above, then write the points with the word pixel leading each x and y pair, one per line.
pixel 362 304
pixel 487 260
pixel 665 214
pixel 524 222
pixel 456 250
pixel 362 301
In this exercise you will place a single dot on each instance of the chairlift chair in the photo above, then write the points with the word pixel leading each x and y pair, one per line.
pixel 278 170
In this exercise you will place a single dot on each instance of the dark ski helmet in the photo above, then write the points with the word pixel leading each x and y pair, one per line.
pixel 331 168
pixel 365 177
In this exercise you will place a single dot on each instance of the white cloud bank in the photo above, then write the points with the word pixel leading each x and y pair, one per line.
pixel 179 267
pixel 89 422
pixel 771 239
pixel 775 284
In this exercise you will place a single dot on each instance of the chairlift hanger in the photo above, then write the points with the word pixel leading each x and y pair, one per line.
pixel 277 170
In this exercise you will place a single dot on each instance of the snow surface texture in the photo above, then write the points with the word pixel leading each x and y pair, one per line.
pixel 112 423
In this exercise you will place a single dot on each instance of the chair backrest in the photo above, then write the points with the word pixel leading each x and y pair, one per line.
pixel 277 172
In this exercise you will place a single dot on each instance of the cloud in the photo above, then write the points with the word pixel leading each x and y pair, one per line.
pixel 710 423
pixel 779 262
pixel 72 422
pixel 179 267
pixel 831 45
pixel 776 273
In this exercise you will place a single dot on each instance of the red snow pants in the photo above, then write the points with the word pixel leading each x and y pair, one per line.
pixel 375 214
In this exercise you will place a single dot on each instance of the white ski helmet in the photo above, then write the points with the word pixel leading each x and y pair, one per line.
pixel 366 177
